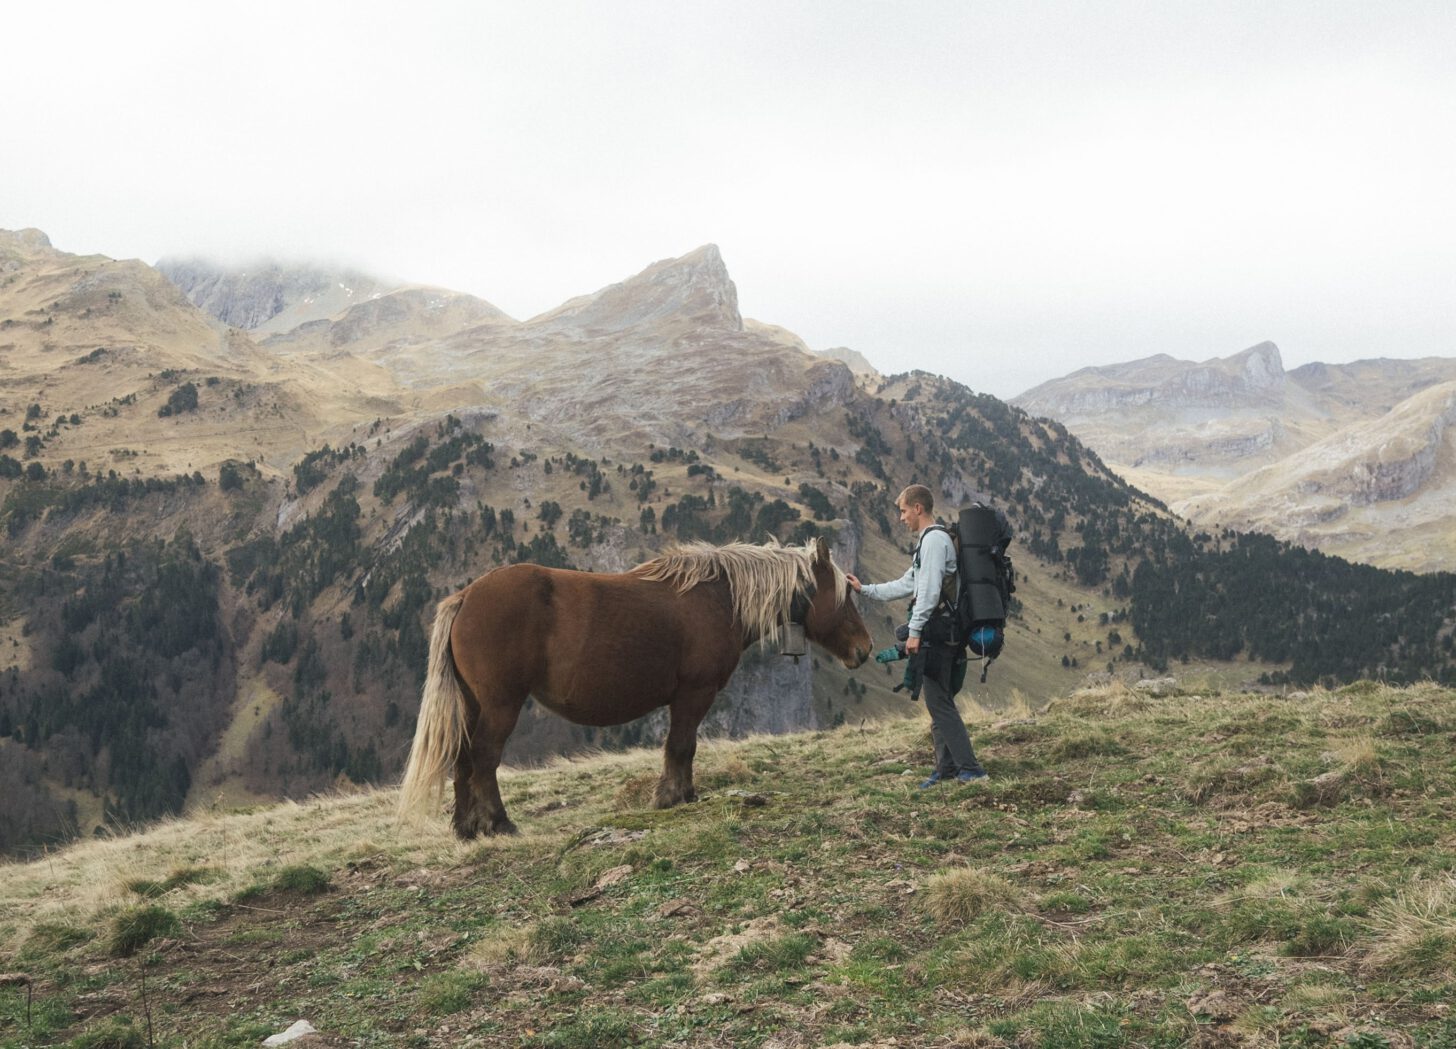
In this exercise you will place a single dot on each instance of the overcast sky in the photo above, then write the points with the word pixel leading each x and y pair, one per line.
pixel 1001 192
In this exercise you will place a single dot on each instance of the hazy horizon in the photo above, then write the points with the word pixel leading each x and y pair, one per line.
pixel 1000 194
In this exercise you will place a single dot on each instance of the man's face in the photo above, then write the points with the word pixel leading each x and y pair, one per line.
pixel 909 515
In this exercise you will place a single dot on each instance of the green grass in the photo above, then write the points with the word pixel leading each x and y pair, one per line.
pixel 1128 856
pixel 303 879
pixel 151 890
pixel 114 1034
pixel 135 927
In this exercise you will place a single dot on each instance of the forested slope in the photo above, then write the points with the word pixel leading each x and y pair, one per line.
pixel 312 593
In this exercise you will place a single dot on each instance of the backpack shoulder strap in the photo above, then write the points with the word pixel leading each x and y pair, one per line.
pixel 954 539
pixel 949 594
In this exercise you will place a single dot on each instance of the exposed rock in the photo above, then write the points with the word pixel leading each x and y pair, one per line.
pixel 1157 686
pixel 694 288
pixel 855 360
pixel 299 1030
pixel 26 240
pixel 270 297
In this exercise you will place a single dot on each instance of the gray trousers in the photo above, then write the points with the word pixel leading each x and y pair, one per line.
pixel 953 750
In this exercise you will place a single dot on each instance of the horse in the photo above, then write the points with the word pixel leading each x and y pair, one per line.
pixel 602 649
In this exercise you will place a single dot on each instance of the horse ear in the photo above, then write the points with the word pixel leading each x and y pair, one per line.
pixel 821 551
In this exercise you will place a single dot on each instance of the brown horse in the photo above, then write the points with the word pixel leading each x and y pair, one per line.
pixel 605 649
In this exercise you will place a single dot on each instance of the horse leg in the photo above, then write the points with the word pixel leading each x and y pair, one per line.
pixel 685 713
pixel 478 805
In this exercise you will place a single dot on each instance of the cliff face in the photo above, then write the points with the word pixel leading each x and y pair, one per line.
pixel 1387 460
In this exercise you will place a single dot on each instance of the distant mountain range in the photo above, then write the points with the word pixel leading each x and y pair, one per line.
pixel 1355 459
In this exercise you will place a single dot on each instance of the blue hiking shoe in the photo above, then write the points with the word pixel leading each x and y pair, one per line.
pixel 967 776
pixel 934 778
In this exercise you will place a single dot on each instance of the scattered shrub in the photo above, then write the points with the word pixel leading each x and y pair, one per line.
pixel 182 399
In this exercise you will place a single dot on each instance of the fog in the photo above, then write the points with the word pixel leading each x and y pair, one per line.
pixel 1001 193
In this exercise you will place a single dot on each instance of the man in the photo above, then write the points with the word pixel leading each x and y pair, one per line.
pixel 930 574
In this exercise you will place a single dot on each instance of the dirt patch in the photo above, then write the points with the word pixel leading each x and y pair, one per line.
pixel 718 951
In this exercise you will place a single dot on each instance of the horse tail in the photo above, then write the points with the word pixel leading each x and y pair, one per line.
pixel 441 730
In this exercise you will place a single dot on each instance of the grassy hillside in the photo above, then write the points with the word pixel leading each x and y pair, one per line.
pixel 1142 869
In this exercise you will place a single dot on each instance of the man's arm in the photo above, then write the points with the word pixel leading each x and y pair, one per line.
pixel 902 587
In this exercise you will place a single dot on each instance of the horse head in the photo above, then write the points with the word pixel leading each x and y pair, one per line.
pixel 832 621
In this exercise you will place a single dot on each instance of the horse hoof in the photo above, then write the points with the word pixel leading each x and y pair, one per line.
pixel 668 801
pixel 503 827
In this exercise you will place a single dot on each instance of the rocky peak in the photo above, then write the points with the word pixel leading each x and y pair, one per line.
pixel 1260 366
pixel 26 240
pixel 856 361
pixel 269 296
pixel 694 288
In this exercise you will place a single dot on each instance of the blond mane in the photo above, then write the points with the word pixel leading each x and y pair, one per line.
pixel 762 579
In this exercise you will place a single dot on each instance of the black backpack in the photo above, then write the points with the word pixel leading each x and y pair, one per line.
pixel 985 581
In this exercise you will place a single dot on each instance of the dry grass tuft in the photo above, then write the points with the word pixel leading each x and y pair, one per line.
pixel 1017 706
pixel 724 769
pixel 1359 771
pixel 1281 884
pixel 507 946
pixel 1360 757
pixel 1111 698
pixel 1327 998
pixel 1415 932
pixel 958 896
pixel 636 792
pixel 1229 782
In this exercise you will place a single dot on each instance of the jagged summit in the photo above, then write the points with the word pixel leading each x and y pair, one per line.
pixel 694 288
pixel 268 297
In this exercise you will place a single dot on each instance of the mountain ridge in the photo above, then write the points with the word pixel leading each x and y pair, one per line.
pixel 267 296
pixel 1239 459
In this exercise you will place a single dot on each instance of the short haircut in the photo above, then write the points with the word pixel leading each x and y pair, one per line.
pixel 917 495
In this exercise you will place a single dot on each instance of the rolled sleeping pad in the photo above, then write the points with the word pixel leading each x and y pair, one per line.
pixel 985 534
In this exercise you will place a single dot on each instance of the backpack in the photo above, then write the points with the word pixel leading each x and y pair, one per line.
pixel 984 581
